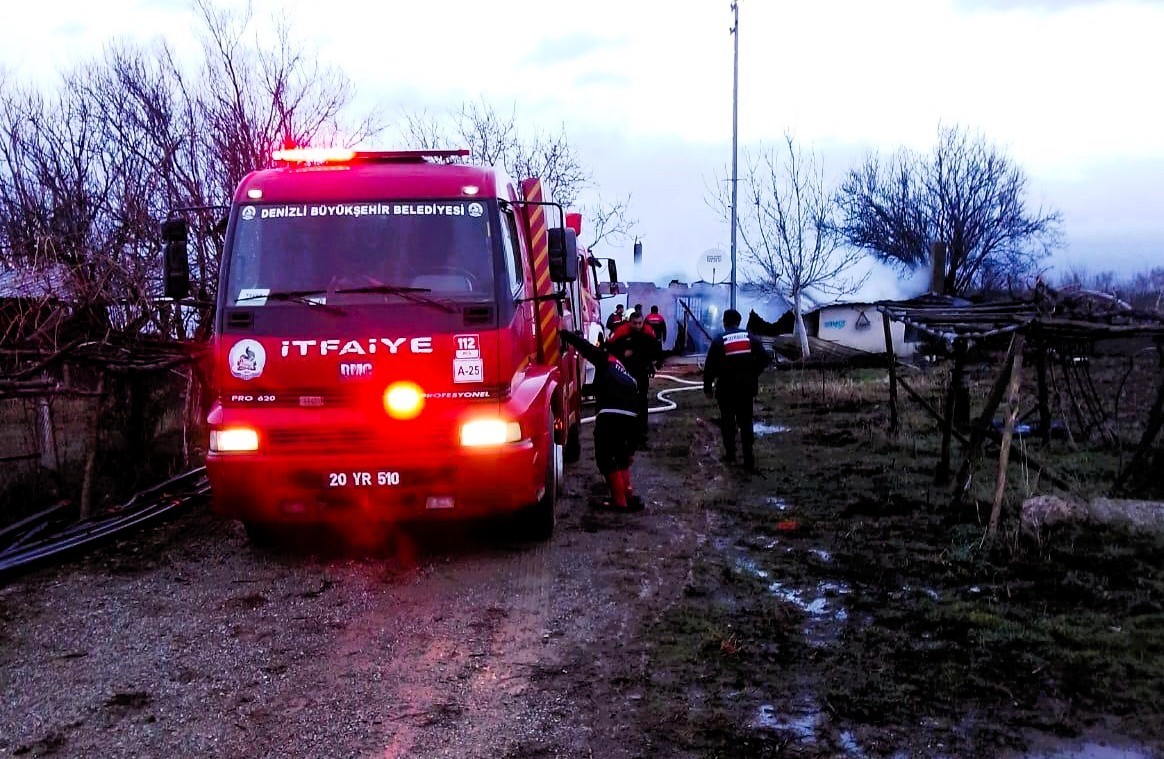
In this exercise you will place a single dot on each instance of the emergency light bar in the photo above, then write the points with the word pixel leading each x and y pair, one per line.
pixel 346 155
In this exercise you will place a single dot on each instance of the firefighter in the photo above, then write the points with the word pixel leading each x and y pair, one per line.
pixel 615 422
pixel 617 317
pixel 658 325
pixel 634 344
pixel 731 375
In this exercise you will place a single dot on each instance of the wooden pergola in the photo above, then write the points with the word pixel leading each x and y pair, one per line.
pixel 1054 323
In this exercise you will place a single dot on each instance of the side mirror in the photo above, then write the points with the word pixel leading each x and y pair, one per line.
pixel 175 258
pixel 563 254
pixel 613 267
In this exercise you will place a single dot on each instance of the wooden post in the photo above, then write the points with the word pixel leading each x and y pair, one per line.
pixel 893 422
pixel 1012 403
pixel 93 438
pixel 46 434
pixel 1155 422
pixel 1044 396
pixel 982 426
pixel 942 474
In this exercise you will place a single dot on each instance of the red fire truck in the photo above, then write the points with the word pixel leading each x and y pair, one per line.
pixel 386 341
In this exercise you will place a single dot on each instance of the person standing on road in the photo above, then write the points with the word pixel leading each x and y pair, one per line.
pixel 635 345
pixel 658 324
pixel 731 375
pixel 615 421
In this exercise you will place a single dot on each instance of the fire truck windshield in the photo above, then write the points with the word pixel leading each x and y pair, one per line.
pixel 360 253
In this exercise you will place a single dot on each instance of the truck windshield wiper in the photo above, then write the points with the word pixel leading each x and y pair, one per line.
pixel 306 297
pixel 410 293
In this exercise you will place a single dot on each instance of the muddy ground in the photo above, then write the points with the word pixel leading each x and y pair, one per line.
pixel 832 605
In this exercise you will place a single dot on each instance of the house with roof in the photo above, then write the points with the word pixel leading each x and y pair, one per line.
pixel 31 297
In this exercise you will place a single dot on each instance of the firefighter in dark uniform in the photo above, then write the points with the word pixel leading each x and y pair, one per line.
pixel 615 421
pixel 731 375
pixel 658 324
pixel 634 344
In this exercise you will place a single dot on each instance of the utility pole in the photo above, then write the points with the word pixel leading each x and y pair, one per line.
pixel 735 32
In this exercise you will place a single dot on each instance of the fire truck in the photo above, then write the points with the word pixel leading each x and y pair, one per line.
pixel 386 341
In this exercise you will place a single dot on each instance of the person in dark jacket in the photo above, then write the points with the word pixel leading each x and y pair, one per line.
pixel 635 345
pixel 615 421
pixel 658 324
pixel 731 375
pixel 617 317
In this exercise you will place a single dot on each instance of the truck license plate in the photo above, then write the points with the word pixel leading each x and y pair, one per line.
pixel 363 479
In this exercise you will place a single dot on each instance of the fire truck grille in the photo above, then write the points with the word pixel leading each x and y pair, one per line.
pixel 351 440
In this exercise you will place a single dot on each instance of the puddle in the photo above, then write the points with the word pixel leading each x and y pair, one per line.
pixel 747 566
pixel 762 543
pixel 908 590
pixel 802 723
pixel 821 607
pixel 848 743
pixel 760 429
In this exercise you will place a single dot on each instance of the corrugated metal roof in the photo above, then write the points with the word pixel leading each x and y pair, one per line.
pixel 35 283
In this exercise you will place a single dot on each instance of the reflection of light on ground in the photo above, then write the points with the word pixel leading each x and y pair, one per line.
pixel 761 429
pixel 779 503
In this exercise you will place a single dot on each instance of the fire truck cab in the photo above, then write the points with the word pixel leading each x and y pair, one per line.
pixel 387 342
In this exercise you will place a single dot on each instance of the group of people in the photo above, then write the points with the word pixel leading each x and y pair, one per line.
pixel 656 321
pixel 624 365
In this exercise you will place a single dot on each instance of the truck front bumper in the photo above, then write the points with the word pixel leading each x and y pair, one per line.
pixel 330 487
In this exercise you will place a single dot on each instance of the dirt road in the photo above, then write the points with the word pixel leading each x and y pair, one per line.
pixel 448 642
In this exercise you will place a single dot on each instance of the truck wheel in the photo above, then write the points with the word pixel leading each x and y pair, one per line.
pixel 573 450
pixel 261 534
pixel 537 521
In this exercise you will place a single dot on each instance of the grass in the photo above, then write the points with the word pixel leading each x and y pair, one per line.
pixel 1053 633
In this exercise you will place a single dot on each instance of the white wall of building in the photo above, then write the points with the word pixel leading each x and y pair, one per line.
pixel 859 325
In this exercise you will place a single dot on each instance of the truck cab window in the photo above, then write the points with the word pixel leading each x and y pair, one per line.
pixel 338 251
pixel 512 251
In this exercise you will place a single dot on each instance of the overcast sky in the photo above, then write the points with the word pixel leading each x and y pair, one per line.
pixel 1070 88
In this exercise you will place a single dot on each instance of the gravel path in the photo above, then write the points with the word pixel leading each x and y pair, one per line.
pixel 188 641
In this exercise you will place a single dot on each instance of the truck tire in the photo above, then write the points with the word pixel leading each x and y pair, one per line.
pixel 537 521
pixel 262 534
pixel 573 450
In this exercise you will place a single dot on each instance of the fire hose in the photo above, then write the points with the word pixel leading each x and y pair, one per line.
pixel 664 395
pixel 143 508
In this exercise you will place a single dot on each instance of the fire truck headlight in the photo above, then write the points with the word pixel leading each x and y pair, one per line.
pixel 489 432
pixel 234 440
pixel 403 400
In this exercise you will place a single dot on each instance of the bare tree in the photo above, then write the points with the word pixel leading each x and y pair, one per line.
pixel 967 194
pixel 787 226
pixel 496 138
pixel 607 221
pixel 1147 289
pixel 88 170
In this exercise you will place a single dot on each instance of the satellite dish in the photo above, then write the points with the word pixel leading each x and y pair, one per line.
pixel 714 266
